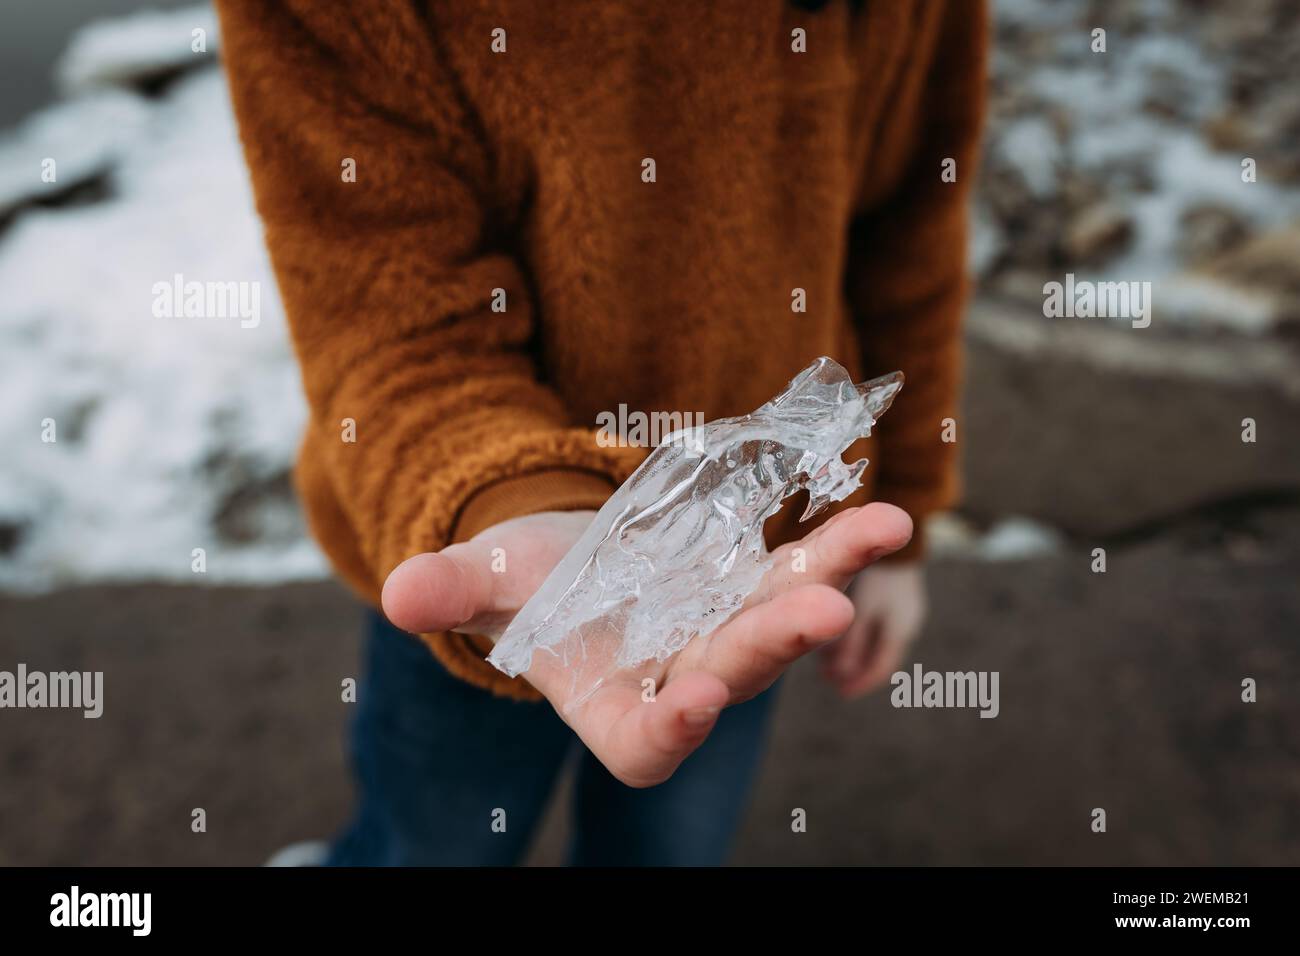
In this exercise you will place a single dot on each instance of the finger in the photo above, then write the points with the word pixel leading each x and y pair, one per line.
pixel 891 637
pixel 749 653
pixel 836 655
pixel 831 522
pixel 847 657
pixel 841 550
pixel 650 739
pixel 886 659
pixel 833 653
pixel 846 645
pixel 438 592
pixel 864 537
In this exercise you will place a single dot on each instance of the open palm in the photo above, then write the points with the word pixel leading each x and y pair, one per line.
pixel 797 607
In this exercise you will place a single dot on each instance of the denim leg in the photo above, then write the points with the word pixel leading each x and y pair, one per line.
pixel 435 758
pixel 690 819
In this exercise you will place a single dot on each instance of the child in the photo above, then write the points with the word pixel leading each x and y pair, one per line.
pixel 492 222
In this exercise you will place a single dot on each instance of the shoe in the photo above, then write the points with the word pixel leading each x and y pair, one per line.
pixel 306 853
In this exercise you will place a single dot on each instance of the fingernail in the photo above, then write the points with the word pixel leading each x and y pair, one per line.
pixel 700 716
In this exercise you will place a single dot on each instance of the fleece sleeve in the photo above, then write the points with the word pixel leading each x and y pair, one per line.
pixel 389 233
pixel 906 273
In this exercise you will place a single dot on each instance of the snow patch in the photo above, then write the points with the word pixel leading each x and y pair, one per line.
pixel 1016 538
pixel 159 422
pixel 84 137
pixel 118 51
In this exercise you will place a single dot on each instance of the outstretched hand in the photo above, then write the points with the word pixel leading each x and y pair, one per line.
pixel 798 607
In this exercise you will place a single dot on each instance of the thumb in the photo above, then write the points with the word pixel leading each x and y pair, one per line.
pixel 439 591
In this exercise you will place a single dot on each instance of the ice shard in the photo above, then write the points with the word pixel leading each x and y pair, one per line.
pixel 679 547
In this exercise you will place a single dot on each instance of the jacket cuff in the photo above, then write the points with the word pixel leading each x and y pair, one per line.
pixel 554 489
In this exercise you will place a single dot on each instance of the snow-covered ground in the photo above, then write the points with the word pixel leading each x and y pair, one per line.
pixel 1146 135
pixel 160 424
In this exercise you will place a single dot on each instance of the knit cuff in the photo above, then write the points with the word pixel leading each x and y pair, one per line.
pixel 551 490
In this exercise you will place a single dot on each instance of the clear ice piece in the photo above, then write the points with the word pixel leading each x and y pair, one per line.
pixel 679 546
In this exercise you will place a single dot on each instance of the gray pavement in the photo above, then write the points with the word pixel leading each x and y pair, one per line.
pixel 1119 691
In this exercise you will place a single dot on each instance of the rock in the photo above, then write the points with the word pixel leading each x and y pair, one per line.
pixel 1208 230
pixel 1167 96
pixel 1022 286
pixel 1080 190
pixel 258 510
pixel 1257 281
pixel 1098 233
pixel 11 533
pixel 1101 430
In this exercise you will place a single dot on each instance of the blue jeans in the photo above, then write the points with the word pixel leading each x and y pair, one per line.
pixel 437 760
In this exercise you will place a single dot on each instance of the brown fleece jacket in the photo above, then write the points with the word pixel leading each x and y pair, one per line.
pixel 503 266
